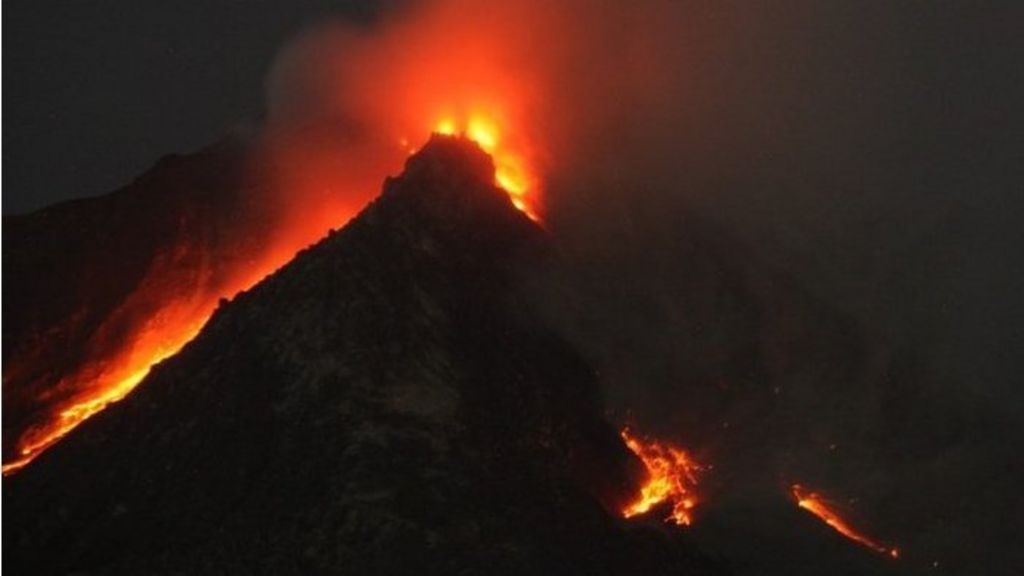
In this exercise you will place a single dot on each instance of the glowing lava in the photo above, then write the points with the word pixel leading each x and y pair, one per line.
pixel 345 107
pixel 826 512
pixel 512 171
pixel 108 380
pixel 672 477
pixel 159 331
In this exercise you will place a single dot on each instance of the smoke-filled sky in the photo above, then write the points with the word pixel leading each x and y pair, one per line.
pixel 870 152
pixel 98 91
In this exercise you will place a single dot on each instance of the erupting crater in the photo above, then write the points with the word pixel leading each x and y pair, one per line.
pixel 512 172
pixel 178 318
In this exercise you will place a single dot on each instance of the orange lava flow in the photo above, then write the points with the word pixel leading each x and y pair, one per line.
pixel 512 171
pixel 109 380
pixel 819 506
pixel 456 68
pixel 162 332
pixel 672 477
pixel 110 388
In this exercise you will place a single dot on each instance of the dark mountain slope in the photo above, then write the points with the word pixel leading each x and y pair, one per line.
pixel 384 404
pixel 70 270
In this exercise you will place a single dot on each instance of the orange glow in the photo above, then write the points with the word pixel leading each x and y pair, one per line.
pixel 107 380
pixel 416 75
pixel 309 193
pixel 511 171
pixel 446 127
pixel 162 330
pixel 826 512
pixel 672 477
pixel 453 68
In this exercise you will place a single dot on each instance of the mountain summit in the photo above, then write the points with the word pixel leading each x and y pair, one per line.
pixel 386 403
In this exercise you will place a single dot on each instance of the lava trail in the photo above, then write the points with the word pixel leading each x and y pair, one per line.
pixel 164 331
pixel 826 512
pixel 671 477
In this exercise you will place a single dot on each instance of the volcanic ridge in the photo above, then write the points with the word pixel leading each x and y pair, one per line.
pixel 388 402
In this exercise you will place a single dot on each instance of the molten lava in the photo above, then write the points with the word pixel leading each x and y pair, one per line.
pixel 672 477
pixel 345 107
pixel 512 172
pixel 826 512
pixel 161 330
pixel 106 380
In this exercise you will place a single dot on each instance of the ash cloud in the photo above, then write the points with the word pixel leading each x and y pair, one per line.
pixel 786 230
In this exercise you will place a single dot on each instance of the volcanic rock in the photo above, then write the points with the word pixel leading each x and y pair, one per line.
pixel 71 270
pixel 387 403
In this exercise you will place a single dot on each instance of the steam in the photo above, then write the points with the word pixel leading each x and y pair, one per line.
pixel 757 207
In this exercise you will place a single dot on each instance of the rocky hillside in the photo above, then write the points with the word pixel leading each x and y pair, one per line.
pixel 78 273
pixel 386 403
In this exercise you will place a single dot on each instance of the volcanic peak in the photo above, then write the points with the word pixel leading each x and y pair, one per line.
pixel 452 179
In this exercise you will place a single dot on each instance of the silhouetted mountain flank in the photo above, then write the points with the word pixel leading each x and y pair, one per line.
pixel 71 270
pixel 386 403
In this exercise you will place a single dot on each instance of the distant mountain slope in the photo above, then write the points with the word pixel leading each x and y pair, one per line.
pixel 71 271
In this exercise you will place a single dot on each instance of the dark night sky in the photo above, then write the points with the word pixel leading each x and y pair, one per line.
pixel 97 91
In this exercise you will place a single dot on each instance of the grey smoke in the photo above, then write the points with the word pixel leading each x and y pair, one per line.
pixel 856 165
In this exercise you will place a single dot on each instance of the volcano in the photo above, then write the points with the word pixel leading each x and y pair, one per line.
pixel 388 402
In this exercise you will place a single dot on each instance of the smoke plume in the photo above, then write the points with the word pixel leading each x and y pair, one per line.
pixel 783 227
